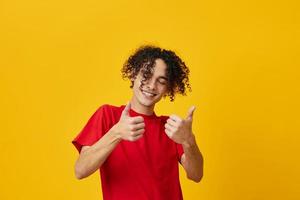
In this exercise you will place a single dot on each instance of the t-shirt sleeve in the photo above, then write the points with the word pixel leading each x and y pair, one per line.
pixel 94 129
pixel 180 151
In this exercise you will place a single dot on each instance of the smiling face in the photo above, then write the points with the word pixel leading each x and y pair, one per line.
pixel 153 89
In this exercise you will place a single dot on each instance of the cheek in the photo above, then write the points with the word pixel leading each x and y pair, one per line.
pixel 163 89
pixel 137 88
pixel 136 83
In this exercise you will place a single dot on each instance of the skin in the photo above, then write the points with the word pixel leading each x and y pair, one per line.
pixel 132 128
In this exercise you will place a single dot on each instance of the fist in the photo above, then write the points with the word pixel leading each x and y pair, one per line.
pixel 178 129
pixel 130 128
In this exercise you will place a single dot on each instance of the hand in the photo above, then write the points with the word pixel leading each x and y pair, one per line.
pixel 180 130
pixel 130 128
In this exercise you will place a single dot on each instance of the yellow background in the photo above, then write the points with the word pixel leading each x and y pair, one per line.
pixel 61 60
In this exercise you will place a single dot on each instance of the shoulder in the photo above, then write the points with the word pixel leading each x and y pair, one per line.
pixel 110 109
pixel 105 107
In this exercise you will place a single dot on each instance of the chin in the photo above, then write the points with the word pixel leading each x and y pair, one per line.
pixel 149 103
pixel 146 102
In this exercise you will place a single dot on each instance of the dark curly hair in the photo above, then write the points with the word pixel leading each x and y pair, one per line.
pixel 144 59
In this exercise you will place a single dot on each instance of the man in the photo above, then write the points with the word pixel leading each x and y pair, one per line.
pixel 137 151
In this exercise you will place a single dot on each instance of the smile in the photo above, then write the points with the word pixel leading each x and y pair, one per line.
pixel 148 94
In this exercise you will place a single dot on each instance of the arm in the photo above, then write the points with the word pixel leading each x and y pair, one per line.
pixel 192 160
pixel 92 157
pixel 180 131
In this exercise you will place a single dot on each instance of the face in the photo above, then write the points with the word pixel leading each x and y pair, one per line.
pixel 154 88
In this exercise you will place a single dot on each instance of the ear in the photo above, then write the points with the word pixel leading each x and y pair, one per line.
pixel 133 79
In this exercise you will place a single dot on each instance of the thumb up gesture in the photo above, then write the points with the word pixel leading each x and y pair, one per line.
pixel 180 130
pixel 130 128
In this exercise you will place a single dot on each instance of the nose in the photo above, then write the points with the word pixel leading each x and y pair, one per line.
pixel 151 84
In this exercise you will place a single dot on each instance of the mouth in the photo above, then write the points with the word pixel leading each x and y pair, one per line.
pixel 148 94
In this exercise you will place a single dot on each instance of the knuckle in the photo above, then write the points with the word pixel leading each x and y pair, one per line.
pixel 131 127
pixel 137 137
pixel 131 133
pixel 130 120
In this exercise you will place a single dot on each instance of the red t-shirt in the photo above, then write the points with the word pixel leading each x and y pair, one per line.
pixel 146 169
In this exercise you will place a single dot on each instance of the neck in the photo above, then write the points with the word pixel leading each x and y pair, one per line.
pixel 139 108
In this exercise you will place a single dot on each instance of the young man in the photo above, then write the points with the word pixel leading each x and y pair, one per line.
pixel 137 151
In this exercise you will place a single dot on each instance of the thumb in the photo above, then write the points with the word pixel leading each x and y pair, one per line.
pixel 191 113
pixel 125 112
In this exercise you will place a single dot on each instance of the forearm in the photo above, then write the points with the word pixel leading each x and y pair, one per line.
pixel 193 160
pixel 93 157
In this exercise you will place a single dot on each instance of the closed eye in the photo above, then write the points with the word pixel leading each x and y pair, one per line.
pixel 162 81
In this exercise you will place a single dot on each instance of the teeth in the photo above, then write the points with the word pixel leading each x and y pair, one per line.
pixel 148 94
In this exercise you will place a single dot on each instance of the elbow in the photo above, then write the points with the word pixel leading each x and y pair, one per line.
pixel 79 173
pixel 78 176
pixel 196 178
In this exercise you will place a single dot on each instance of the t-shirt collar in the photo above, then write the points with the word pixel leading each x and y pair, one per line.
pixel 134 113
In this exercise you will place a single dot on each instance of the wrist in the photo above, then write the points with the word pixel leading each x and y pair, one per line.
pixel 115 132
pixel 190 141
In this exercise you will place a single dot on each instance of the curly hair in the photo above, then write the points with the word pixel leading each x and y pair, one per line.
pixel 143 60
